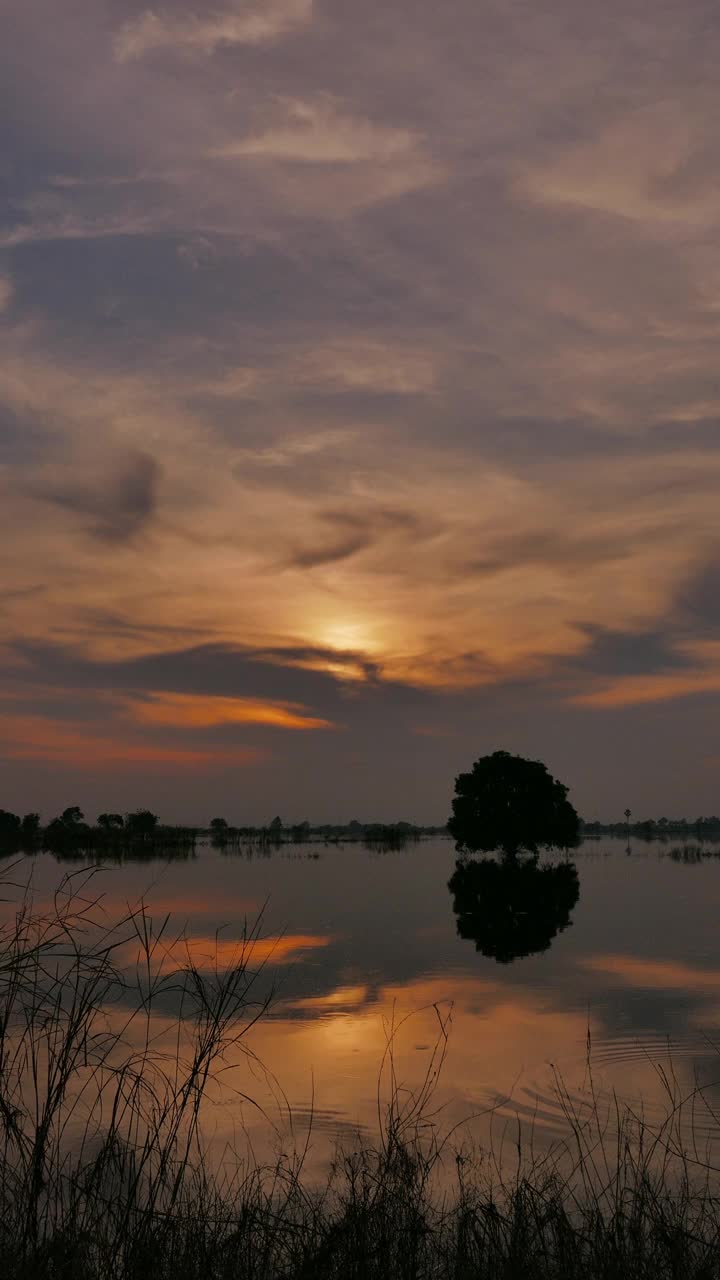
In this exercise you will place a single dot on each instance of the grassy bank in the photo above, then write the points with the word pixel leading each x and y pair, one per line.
pixel 107 1052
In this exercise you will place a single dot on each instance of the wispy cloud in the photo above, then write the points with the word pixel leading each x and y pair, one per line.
pixel 356 364
pixel 6 293
pixel 68 745
pixel 320 133
pixel 247 22
pixel 649 165
pixel 42 223
pixel 356 357
pixel 633 691
pixel 187 712
pixel 117 505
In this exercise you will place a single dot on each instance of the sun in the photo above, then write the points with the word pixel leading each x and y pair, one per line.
pixel 347 635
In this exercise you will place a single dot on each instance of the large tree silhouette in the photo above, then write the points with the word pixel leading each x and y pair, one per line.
pixel 511 804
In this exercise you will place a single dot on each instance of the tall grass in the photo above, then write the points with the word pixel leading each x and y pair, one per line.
pixel 108 1046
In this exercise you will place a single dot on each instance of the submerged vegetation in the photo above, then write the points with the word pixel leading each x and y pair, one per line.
pixel 69 835
pixel 657 829
pixel 140 834
pixel 104 1174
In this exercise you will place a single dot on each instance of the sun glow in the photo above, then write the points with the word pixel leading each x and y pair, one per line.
pixel 347 635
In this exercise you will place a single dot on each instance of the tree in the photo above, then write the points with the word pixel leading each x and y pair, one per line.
pixel 111 821
pixel 30 826
pixel 511 804
pixel 219 830
pixel 276 824
pixel 69 831
pixel 141 824
pixel 72 817
pixel 9 826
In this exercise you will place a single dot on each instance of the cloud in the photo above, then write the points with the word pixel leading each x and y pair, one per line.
pixel 633 653
pixel 69 746
pixel 698 599
pixel 407 568
pixel 353 366
pixel 649 165
pixel 248 22
pixel 645 667
pixel 208 684
pixel 638 690
pixel 285 266
pixel 116 507
pixel 357 365
pixel 357 531
pixel 318 157
pixel 7 292
pixel 188 711
pixel 551 548
pixel 332 552
pixel 42 226
pixel 319 133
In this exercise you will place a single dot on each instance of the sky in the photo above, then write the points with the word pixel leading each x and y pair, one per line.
pixel 358 404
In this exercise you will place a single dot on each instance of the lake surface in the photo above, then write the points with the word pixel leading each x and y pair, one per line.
pixel 357 942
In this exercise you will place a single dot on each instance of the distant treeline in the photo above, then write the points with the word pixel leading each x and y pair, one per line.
pixel 328 833
pixel 657 829
pixel 141 833
pixel 69 834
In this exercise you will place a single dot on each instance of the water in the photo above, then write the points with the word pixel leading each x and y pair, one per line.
pixel 363 947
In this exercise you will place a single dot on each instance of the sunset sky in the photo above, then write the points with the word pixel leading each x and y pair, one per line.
pixel 359 392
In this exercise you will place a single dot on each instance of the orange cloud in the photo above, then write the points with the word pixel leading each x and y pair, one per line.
pixel 634 690
pixel 38 738
pixel 198 711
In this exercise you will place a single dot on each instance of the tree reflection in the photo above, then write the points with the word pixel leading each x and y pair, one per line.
pixel 512 908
